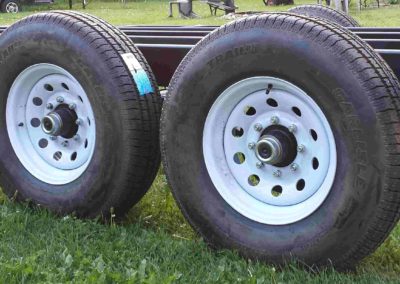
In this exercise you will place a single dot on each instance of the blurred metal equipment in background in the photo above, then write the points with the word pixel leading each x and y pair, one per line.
pixel 227 5
pixel 185 8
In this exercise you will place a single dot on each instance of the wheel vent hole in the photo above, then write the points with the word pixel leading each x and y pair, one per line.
pixel 296 110
pixel 272 103
pixel 314 134
pixel 48 87
pixel 74 156
pixel 89 122
pixel 65 86
pixel 37 101
pixel 249 110
pixel 253 180
pixel 237 132
pixel 57 156
pixel 80 98
pixel 239 158
pixel 315 163
pixel 276 191
pixel 86 143
pixel 300 185
pixel 35 122
pixel 43 143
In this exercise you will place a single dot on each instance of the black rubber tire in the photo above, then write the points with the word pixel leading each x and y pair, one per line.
pixel 126 156
pixel 3 6
pixel 326 13
pixel 360 98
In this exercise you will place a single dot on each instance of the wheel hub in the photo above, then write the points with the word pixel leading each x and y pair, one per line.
pixel 277 146
pixel 269 150
pixel 61 122
pixel 51 124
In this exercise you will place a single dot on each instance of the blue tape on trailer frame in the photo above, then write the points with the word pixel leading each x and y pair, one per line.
pixel 139 75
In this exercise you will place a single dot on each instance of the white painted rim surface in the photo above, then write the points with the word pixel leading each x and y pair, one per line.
pixel 269 194
pixel 53 160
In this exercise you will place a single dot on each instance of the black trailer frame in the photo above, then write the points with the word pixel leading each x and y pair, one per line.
pixel 165 46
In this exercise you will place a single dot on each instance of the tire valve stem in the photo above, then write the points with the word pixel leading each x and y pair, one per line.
pixel 269 88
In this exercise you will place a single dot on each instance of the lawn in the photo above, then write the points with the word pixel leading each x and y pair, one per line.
pixel 156 12
pixel 154 244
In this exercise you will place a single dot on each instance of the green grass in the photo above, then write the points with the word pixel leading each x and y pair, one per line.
pixel 155 244
pixel 156 12
pixel 36 247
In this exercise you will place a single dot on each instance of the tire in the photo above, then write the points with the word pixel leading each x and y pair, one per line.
pixel 11 6
pixel 93 70
pixel 263 74
pixel 325 13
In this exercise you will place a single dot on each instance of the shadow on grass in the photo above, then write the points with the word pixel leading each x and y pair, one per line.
pixel 158 210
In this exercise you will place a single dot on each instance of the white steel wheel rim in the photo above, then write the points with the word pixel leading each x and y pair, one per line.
pixel 51 159
pixel 233 175
pixel 12 7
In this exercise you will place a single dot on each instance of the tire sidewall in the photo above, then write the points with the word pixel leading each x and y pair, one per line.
pixel 333 85
pixel 325 13
pixel 32 45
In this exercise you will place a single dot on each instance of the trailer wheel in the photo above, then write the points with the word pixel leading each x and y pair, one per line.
pixel 278 137
pixel 79 115
pixel 11 6
pixel 325 13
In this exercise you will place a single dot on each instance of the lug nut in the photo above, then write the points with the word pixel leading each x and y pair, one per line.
pixel 49 106
pixel 65 143
pixel 78 121
pixel 259 165
pixel 294 167
pixel 274 120
pixel 258 127
pixel 60 100
pixel 52 137
pixel 292 128
pixel 277 173
pixel 252 145
pixel 300 148
pixel 72 106
pixel 77 137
